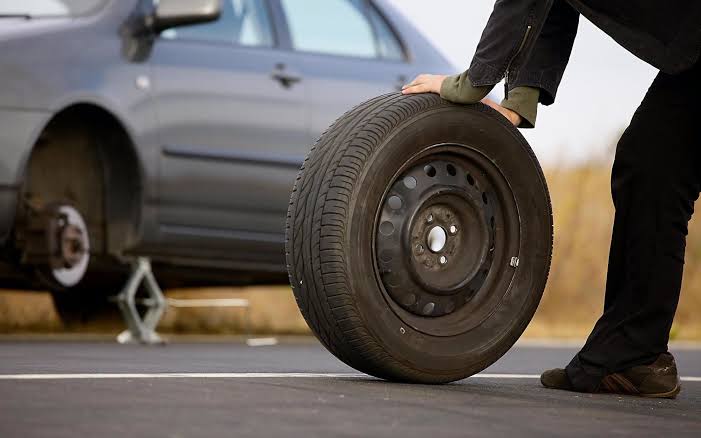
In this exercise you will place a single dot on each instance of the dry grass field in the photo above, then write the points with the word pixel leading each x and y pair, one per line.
pixel 573 299
pixel 583 214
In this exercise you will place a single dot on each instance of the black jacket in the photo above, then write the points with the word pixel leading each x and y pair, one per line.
pixel 529 41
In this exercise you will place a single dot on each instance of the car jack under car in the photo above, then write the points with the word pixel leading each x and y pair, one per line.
pixel 141 328
pixel 142 315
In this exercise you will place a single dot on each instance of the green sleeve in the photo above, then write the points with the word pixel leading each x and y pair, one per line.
pixel 524 101
pixel 459 89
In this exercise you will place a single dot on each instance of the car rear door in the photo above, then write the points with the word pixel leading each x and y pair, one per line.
pixel 348 52
pixel 233 132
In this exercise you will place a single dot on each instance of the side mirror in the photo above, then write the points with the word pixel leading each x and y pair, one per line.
pixel 172 13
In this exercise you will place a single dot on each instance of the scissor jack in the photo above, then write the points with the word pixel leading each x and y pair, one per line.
pixel 141 328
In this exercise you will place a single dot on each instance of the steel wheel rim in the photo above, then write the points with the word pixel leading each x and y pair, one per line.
pixel 459 187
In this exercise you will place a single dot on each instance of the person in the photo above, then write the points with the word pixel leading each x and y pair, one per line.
pixel 656 173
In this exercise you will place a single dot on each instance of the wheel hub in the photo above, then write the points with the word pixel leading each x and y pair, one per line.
pixel 71 245
pixel 68 244
pixel 435 237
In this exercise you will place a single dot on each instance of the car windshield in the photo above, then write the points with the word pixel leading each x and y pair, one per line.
pixel 49 8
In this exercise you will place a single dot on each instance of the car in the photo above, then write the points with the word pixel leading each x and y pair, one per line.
pixel 174 130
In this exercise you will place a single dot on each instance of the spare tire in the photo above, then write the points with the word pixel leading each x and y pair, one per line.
pixel 419 238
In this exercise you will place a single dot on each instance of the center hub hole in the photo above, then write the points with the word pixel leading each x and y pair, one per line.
pixel 436 239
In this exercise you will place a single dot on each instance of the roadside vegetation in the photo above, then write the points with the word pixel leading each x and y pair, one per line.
pixel 583 215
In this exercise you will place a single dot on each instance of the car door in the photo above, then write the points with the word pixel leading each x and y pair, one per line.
pixel 348 53
pixel 233 128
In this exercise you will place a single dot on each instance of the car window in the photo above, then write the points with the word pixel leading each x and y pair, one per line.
pixel 51 8
pixel 242 22
pixel 387 41
pixel 336 27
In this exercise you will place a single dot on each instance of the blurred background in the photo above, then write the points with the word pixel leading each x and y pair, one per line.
pixel 575 141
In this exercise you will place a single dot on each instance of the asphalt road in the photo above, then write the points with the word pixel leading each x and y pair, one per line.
pixel 297 389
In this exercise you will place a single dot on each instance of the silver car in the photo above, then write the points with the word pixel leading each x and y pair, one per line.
pixel 174 130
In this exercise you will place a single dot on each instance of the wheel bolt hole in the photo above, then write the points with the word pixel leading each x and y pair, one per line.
pixel 453 229
pixel 430 170
pixel 443 260
pixel 451 170
pixel 429 219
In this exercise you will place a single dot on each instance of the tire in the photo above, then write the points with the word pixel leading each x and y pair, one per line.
pixel 80 305
pixel 89 302
pixel 374 285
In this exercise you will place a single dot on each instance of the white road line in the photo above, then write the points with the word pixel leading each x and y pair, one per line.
pixel 175 376
pixel 78 376
pixel 506 376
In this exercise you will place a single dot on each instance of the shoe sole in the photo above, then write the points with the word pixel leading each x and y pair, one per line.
pixel 669 394
pixel 619 379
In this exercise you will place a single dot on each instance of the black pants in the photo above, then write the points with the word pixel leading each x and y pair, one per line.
pixel 656 179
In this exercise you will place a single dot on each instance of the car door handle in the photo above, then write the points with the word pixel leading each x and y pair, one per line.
pixel 286 77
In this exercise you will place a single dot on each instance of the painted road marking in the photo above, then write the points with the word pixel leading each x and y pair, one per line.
pixel 176 376
pixel 244 376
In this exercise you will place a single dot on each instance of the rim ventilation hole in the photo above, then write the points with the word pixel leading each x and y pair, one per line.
pixel 492 222
pixel 470 179
pixel 484 198
pixel 386 228
pixel 451 170
pixel 410 182
pixel 430 170
pixel 394 202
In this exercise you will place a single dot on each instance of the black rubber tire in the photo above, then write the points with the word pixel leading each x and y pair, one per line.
pixel 83 306
pixel 331 220
pixel 90 301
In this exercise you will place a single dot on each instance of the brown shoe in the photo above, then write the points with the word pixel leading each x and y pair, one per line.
pixel 658 379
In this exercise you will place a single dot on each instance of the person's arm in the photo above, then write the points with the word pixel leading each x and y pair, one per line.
pixel 534 69
pixel 551 53
pixel 506 42
pixel 538 79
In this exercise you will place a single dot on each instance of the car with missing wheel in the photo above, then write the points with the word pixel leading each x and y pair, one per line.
pixel 174 130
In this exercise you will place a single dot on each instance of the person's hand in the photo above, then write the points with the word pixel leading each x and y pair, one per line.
pixel 511 116
pixel 432 84
pixel 424 84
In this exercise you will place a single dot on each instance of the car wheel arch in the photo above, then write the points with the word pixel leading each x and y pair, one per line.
pixel 121 169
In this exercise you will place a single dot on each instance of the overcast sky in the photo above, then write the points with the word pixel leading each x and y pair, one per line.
pixel 602 87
